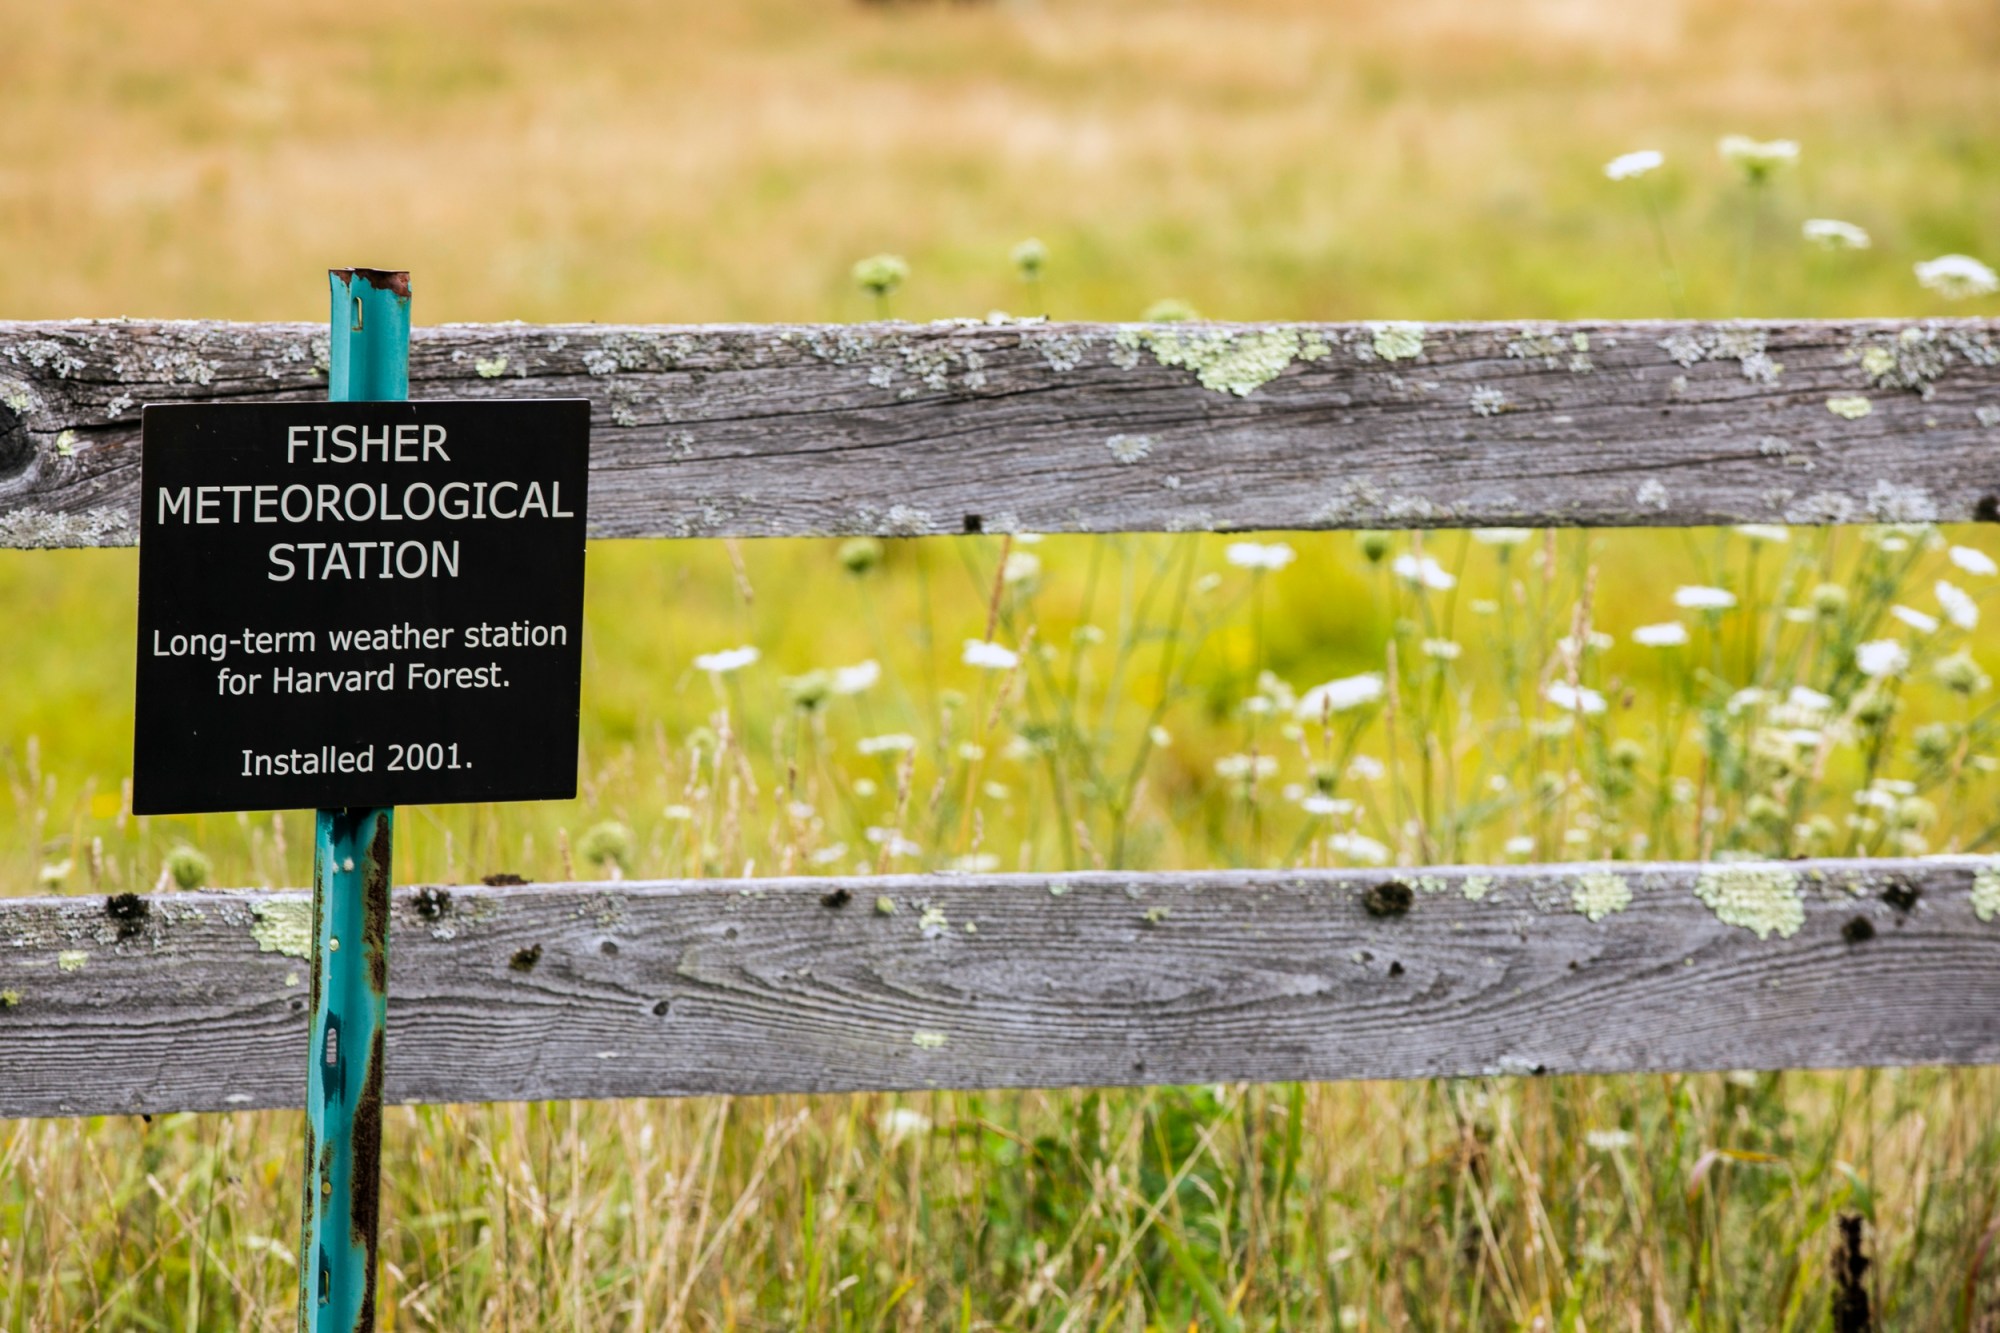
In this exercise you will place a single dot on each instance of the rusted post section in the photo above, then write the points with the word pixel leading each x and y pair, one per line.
pixel 369 362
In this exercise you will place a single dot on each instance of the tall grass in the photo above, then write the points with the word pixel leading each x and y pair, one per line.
pixel 1138 701
pixel 1675 1202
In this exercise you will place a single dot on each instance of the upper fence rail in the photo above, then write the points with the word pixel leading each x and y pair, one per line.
pixel 953 427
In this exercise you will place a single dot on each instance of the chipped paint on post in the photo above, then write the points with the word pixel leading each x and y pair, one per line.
pixel 369 361
pixel 350 983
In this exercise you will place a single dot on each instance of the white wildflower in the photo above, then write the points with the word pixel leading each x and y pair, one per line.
pixel 1764 532
pixel 1424 571
pixel 1882 657
pixel 1338 696
pixel 1160 737
pixel 1365 768
pixel 1608 1140
pixel 854 679
pixel 1521 846
pixel 1359 847
pixel 902 1122
pixel 1326 806
pixel 1595 641
pixel 1957 277
pixel 895 742
pixel 1809 700
pixel 1671 634
pixel 1694 597
pixel 892 841
pixel 1444 650
pixel 680 814
pixel 1833 234
pixel 1915 619
pixel 726 661
pixel 1758 159
pixel 993 657
pixel 1748 697
pixel 975 863
pixel 1574 698
pixel 1245 767
pixel 1502 536
pixel 1630 166
pixel 1021 567
pixel 1959 608
pixel 1973 561
pixel 1257 555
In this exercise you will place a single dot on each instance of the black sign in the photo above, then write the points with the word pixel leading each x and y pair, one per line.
pixel 359 604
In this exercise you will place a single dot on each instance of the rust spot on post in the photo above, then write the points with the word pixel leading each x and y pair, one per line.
pixel 365 1201
pixel 375 909
pixel 381 279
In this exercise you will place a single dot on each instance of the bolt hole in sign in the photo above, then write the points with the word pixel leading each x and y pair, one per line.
pixel 359 604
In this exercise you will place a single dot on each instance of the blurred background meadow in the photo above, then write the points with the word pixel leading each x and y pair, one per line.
pixel 1162 702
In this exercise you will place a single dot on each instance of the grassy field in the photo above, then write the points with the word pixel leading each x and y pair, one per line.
pixel 1264 159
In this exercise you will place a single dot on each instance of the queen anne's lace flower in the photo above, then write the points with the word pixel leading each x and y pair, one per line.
pixel 1758 159
pixel 1257 555
pixel 1697 598
pixel 1671 634
pixel 1574 698
pixel 1359 847
pixel 1959 608
pixel 1882 657
pixel 1973 561
pixel 991 656
pixel 1338 696
pixel 1628 166
pixel 1919 621
pixel 1957 277
pixel 854 679
pixel 726 661
pixel 1423 571
pixel 1833 234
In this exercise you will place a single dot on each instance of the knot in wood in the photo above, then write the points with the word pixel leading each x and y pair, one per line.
pixel 1390 898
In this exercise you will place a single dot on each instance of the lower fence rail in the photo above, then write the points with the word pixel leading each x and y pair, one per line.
pixel 198 1001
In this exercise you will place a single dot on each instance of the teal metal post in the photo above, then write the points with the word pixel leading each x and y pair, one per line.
pixel 368 361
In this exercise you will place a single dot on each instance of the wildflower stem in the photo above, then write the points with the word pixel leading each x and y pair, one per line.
pixel 1670 272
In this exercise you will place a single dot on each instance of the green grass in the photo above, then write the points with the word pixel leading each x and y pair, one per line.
pixel 1271 159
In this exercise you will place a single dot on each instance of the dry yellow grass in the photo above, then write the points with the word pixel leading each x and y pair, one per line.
pixel 1264 159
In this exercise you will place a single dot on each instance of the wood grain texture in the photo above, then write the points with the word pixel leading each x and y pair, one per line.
pixel 665 989
pixel 899 429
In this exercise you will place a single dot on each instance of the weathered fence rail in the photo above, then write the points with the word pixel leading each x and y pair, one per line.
pixel 906 429
pixel 197 1001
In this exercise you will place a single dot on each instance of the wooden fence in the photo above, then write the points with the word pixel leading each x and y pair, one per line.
pixel 196 1001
